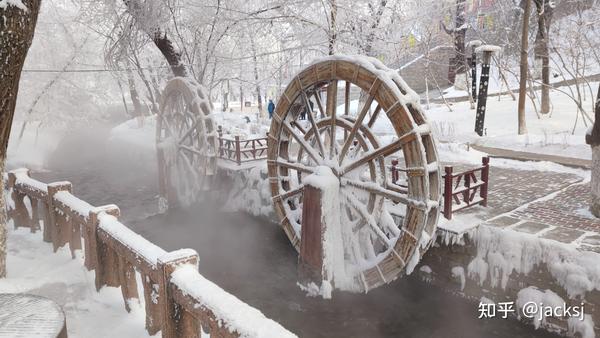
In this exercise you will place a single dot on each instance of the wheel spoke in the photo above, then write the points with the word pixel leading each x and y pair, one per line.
pixel 367 217
pixel 189 131
pixel 296 166
pixel 374 188
pixel 193 150
pixel 319 103
pixel 355 128
pixel 331 112
pixel 312 152
pixel 292 192
pixel 383 151
pixel 313 124
pixel 374 116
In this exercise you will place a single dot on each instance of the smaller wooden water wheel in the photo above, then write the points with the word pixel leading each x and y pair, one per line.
pixel 186 142
pixel 392 220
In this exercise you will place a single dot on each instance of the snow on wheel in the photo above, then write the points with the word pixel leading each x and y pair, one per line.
pixel 186 143
pixel 389 223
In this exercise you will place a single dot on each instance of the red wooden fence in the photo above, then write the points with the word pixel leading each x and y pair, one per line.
pixel 465 189
pixel 239 151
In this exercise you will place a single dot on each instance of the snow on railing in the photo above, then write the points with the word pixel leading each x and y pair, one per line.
pixel 178 300
pixel 457 196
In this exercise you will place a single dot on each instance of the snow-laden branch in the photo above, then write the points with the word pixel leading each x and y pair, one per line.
pixel 16 3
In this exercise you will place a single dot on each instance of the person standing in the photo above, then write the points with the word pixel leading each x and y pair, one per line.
pixel 271 108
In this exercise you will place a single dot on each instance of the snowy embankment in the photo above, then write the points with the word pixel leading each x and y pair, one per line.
pixel 504 254
pixel 555 134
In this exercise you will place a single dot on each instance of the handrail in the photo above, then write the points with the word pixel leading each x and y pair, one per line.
pixel 457 196
pixel 178 300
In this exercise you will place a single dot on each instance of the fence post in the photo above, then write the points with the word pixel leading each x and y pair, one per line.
pixel 220 132
pixel 55 230
pixel 20 215
pixel 467 192
pixel 394 171
pixel 171 312
pixel 448 192
pixel 485 174
pixel 238 152
pixel 97 251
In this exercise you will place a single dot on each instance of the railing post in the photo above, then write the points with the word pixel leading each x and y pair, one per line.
pixel 448 187
pixel 20 215
pixel 238 152
pixel 171 311
pixel 55 229
pixel 98 253
pixel 467 192
pixel 485 174
pixel 394 171
pixel 220 132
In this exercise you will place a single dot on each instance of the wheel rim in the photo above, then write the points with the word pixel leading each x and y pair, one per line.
pixel 389 221
pixel 186 143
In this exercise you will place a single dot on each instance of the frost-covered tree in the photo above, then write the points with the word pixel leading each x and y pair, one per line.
pixel 593 139
pixel 16 34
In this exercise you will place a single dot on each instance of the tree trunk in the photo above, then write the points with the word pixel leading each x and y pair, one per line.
pixel 523 68
pixel 332 26
pixel 458 63
pixel 16 34
pixel 544 13
pixel 459 37
pixel 255 63
pixel 593 139
pixel 160 39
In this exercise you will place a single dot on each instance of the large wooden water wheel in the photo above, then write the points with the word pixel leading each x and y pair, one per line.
pixel 186 143
pixel 318 123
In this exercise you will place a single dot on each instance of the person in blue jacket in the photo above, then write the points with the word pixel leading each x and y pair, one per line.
pixel 271 108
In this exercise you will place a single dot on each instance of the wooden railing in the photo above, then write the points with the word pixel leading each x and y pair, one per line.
pixel 178 300
pixel 465 189
pixel 239 151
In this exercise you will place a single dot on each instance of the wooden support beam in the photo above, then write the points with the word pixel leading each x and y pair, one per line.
pixel 98 257
pixel 311 243
pixel 170 310
pixel 55 228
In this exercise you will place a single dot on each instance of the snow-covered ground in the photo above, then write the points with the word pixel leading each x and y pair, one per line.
pixel 555 134
pixel 33 268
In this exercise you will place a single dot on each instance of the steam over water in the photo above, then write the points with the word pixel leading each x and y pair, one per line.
pixel 252 258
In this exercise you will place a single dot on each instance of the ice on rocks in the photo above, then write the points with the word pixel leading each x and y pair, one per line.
pixel 458 272
pixel 584 328
pixel 534 295
pixel 500 252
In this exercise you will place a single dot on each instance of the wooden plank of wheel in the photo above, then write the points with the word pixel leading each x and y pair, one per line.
pixel 391 225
